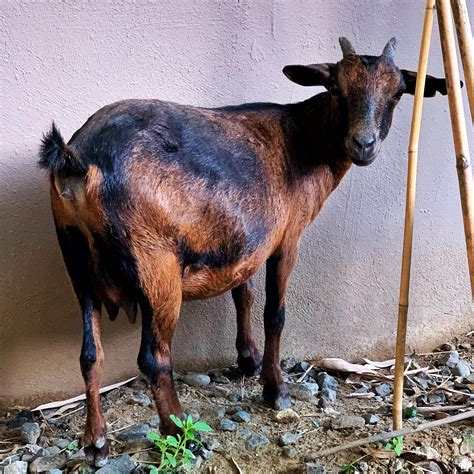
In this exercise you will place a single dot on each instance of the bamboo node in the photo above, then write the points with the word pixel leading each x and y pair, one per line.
pixel 462 162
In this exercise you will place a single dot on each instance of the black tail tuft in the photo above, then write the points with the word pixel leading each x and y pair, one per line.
pixel 56 156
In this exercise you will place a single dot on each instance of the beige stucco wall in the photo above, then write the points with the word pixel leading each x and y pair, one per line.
pixel 65 59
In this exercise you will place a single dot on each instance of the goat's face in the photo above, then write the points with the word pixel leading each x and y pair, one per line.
pixel 365 91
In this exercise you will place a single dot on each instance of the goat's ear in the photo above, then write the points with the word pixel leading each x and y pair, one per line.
pixel 432 85
pixel 311 75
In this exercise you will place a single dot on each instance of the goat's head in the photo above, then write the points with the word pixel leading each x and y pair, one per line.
pixel 364 91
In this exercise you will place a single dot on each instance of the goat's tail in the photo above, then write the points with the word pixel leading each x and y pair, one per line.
pixel 56 157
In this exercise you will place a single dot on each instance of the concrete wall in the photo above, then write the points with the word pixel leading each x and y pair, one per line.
pixel 65 59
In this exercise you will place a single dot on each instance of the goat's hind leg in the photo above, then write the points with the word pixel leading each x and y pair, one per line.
pixel 76 256
pixel 249 358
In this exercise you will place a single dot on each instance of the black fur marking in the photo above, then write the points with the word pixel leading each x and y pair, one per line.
pixel 76 256
pixel 56 157
pixel 146 357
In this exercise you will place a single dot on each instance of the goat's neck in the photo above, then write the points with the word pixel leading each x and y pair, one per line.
pixel 318 136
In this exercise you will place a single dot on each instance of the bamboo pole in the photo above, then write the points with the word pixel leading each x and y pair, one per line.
pixel 466 48
pixel 456 109
pixel 409 215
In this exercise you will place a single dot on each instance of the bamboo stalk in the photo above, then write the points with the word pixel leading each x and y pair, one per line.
pixel 466 47
pixel 456 109
pixel 409 215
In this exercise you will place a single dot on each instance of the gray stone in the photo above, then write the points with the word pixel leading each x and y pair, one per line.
pixel 221 379
pixel 140 398
pixel 137 432
pixel 154 421
pixel 465 464
pixel 326 381
pixel 396 465
pixel 206 453
pixel 30 432
pixel 197 380
pixel 300 367
pixel 227 425
pixel 41 464
pixel 313 468
pixel 288 438
pixel 61 443
pixel 241 416
pixel 465 346
pixel 288 364
pixel 451 359
pixel 328 394
pixel 344 421
pixel 51 451
pixel 302 391
pixel 244 433
pixel 198 462
pixel 469 378
pixel 463 369
pixel 422 382
pixel 120 465
pixel 447 346
pixel 195 416
pixel 138 445
pixel 219 412
pixel 371 419
pixel 234 397
pixel 256 441
pixel 289 452
pixel 55 471
pixel 383 389
pixel 436 398
pixel 431 453
pixel 363 466
pixel 17 467
pixel 213 444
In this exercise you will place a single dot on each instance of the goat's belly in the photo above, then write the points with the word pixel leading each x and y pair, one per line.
pixel 202 283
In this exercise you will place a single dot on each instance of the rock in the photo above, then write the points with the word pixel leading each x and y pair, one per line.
pixel 422 382
pixel 41 464
pixel 244 433
pixel 196 380
pixel 288 364
pixel 371 419
pixel 154 421
pixel 383 389
pixel 76 458
pixel 206 453
pixel 465 464
pixel 463 369
pixel 234 397
pixel 227 425
pixel 137 432
pixel 285 416
pixel 436 398
pixel 451 359
pixel 431 453
pixel 313 468
pixel 120 465
pixel 289 438
pixel 55 471
pixel 17 467
pixel 138 445
pixel 344 421
pixel 289 452
pixel 301 367
pixel 213 444
pixel 241 416
pixel 195 416
pixel 219 412
pixel 465 346
pixel 428 467
pixel 469 379
pixel 256 441
pixel 326 381
pixel 363 466
pixel 140 398
pixel 302 391
pixel 447 346
pixel 328 394
pixel 51 451
pixel 198 462
pixel 396 465
pixel 30 432
pixel 62 443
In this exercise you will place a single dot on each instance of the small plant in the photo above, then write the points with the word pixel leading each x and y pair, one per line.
pixel 73 446
pixel 395 444
pixel 350 467
pixel 173 451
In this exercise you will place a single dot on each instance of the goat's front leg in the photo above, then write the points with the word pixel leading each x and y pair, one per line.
pixel 160 312
pixel 278 270
pixel 249 358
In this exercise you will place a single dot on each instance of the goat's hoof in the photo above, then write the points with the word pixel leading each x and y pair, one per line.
pixel 249 364
pixel 277 397
pixel 97 452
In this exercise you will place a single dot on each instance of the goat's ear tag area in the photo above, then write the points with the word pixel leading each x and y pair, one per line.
pixel 311 75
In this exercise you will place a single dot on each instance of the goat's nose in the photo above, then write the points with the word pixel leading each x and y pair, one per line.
pixel 364 143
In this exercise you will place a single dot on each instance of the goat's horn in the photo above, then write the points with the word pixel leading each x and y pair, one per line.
pixel 390 47
pixel 346 46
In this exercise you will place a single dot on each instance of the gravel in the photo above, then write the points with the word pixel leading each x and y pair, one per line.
pixel 462 369
pixel 347 421
pixel 328 394
pixel 140 398
pixel 371 419
pixel 256 441
pixel 288 438
pixel 41 464
pixel 197 380
pixel 289 452
pixel 227 425
pixel 383 389
pixel 302 391
pixel 120 465
pixel 241 416
pixel 325 380
pixel 30 432
pixel 244 433
pixel 17 467
pixel 451 359
pixel 288 364
pixel 137 432
pixel 154 421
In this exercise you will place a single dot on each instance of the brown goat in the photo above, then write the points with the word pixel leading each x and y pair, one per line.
pixel 156 202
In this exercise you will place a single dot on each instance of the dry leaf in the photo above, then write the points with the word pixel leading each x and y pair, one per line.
pixel 340 365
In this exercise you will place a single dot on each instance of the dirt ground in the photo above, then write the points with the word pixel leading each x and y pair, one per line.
pixel 445 449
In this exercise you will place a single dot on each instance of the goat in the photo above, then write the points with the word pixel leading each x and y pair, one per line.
pixel 155 203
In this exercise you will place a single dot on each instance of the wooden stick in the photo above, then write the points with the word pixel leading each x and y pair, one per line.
pixel 392 434
pixel 456 109
pixel 409 215
pixel 466 47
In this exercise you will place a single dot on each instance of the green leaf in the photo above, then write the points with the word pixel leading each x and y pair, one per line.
pixel 153 436
pixel 201 426
pixel 188 453
pixel 172 441
pixel 410 412
pixel 177 421
pixel 171 459
pixel 154 470
pixel 73 445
